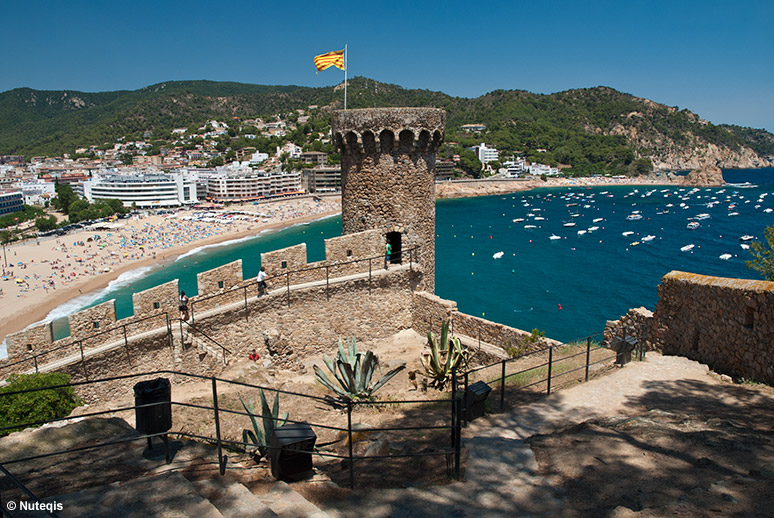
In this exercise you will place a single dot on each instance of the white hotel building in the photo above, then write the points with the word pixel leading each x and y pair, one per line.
pixel 485 154
pixel 146 190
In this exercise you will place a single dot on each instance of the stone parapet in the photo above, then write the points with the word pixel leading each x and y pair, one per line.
pixel 159 299
pixel 93 320
pixel 725 323
pixel 428 312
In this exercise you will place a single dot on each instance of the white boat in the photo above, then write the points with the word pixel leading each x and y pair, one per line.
pixel 627 233
pixel 744 246
pixel 518 220
pixel 733 213
pixel 686 248
pixel 702 216
pixel 597 220
pixel 554 237
pixel 694 225
pixel 530 226
pixel 746 237
pixel 498 255
pixel 581 232
pixel 539 218
pixel 725 257
pixel 649 238
pixel 768 210
pixel 634 217
pixel 569 224
pixel 592 229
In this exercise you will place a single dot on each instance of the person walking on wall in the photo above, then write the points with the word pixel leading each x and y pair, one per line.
pixel 387 253
pixel 183 306
pixel 262 281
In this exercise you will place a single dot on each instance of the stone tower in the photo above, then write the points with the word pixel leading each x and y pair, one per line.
pixel 388 177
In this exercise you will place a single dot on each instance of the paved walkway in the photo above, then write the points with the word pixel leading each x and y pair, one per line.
pixel 500 475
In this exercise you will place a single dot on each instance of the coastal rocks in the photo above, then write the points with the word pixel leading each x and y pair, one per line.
pixel 705 176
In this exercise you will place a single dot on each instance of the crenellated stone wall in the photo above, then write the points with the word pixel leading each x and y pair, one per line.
pixel 92 320
pixel 340 252
pixel 30 341
pixel 219 279
pixel 157 300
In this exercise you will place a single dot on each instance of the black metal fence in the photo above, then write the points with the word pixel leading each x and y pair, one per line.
pixel 338 421
pixel 527 375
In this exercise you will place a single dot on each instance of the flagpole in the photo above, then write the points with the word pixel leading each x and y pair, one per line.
pixel 345 76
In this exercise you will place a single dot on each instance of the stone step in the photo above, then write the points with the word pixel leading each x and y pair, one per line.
pixel 165 496
pixel 232 499
pixel 287 503
pixel 216 353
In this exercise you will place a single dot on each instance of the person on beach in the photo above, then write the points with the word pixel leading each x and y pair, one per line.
pixel 183 306
pixel 387 253
pixel 253 356
pixel 262 281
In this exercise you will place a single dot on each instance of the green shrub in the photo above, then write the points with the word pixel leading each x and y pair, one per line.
pixel 41 405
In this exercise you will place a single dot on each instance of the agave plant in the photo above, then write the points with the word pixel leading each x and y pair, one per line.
pixel 353 371
pixel 446 354
pixel 260 437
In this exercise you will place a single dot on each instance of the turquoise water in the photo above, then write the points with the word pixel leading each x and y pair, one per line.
pixel 567 287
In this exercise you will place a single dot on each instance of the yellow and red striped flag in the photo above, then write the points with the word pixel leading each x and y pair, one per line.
pixel 335 58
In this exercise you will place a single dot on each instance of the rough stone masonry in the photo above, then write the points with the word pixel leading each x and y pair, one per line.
pixel 388 177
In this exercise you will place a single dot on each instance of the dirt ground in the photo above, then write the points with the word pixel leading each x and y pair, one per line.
pixel 683 448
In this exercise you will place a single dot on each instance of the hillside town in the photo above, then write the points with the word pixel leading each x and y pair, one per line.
pixel 220 162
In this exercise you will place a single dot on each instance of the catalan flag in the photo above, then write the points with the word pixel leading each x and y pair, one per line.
pixel 335 58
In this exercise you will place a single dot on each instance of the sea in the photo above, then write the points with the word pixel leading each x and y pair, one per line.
pixel 561 260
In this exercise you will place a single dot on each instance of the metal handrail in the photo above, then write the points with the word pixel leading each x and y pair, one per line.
pixel 24 488
pixel 411 254
pixel 80 341
pixel 453 425
pixel 205 335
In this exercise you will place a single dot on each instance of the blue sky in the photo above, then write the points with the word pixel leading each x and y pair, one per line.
pixel 715 58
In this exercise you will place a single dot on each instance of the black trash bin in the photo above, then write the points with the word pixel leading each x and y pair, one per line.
pixel 623 348
pixel 290 445
pixel 155 418
pixel 475 399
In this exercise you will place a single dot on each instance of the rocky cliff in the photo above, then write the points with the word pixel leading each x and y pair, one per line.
pixel 705 176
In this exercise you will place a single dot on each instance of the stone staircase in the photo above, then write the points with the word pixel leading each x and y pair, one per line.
pixel 205 347
pixel 171 494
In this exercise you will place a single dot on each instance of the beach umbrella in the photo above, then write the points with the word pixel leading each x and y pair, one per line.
pixel 19 281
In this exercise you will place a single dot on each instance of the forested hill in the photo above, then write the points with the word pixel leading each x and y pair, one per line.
pixel 591 129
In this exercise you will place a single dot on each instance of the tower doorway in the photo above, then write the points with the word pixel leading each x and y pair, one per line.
pixel 394 240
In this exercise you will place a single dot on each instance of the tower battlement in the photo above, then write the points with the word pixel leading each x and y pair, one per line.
pixel 388 130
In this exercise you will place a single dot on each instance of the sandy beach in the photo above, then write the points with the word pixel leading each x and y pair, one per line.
pixel 488 187
pixel 43 274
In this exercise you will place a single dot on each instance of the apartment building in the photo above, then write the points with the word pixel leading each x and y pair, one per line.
pixel 244 184
pixel 322 179
pixel 11 201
